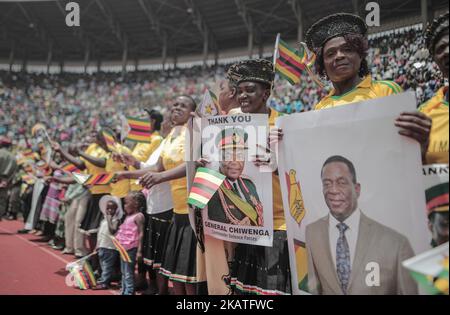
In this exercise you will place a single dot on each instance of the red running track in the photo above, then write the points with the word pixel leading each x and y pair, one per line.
pixel 30 267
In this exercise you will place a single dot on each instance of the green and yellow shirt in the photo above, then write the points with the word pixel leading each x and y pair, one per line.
pixel 437 109
pixel 365 90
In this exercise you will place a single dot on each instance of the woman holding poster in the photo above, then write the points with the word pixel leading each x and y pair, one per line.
pixel 340 43
pixel 341 46
pixel 258 269
pixel 437 107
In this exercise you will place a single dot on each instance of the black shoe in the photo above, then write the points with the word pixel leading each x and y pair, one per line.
pixel 23 231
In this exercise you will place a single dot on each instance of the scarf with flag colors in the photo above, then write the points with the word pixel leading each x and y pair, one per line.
pixel 139 130
pixel 122 251
pixel 206 182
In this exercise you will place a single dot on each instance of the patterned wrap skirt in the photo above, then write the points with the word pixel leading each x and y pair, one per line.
pixel 50 209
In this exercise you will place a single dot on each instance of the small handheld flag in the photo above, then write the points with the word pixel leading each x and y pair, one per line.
pixel 82 273
pixel 81 178
pixel 287 62
pixel 139 130
pixel 206 183
pixel 290 63
pixel 36 128
pixel 110 142
pixel 309 59
pixel 98 179
pixel 122 251
pixel 70 168
pixel 40 129
pixel 125 128
pixel 430 269
pixel 209 105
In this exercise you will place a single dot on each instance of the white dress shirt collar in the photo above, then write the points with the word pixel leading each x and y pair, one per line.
pixel 351 234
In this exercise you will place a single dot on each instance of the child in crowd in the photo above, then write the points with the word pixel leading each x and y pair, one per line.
pixel 130 236
pixel 112 213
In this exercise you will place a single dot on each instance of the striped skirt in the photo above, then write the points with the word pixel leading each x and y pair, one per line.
pixel 50 210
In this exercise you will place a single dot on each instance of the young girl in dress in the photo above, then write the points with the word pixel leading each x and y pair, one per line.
pixel 130 236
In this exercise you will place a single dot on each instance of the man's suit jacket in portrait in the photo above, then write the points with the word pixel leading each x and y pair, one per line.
pixel 376 243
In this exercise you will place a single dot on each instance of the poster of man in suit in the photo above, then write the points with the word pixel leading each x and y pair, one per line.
pixel 353 199
pixel 354 240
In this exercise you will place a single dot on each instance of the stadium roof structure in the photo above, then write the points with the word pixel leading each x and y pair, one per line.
pixel 142 29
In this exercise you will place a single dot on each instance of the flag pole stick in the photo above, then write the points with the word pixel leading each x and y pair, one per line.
pixel 275 55
pixel 73 263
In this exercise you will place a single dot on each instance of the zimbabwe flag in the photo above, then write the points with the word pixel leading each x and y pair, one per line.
pixel 290 63
pixel 110 142
pixel 206 182
pixel 140 130
pixel 430 269
pixel 98 179
pixel 122 251
pixel 70 168
pixel 308 58
pixel 209 105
